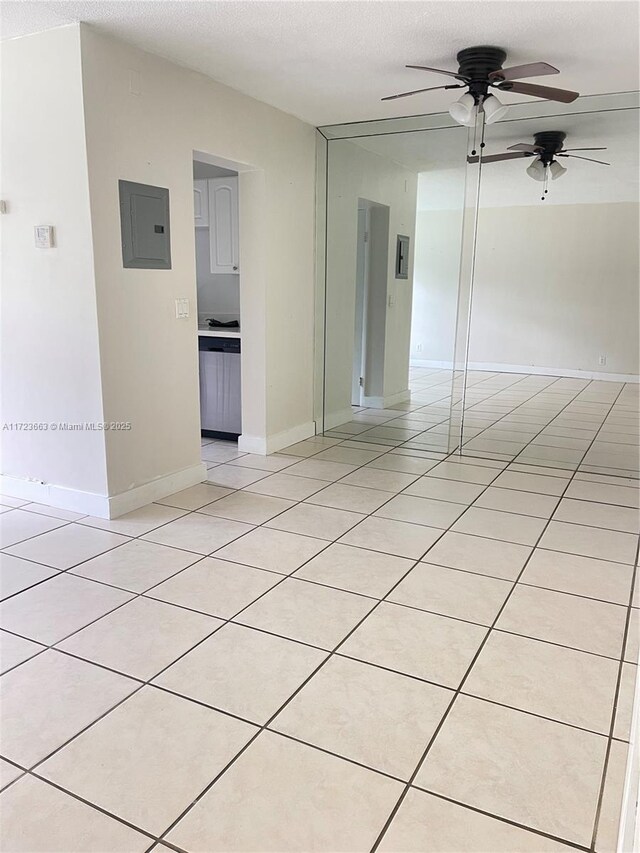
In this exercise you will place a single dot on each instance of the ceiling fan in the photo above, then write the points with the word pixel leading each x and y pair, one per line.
pixel 479 69
pixel 547 145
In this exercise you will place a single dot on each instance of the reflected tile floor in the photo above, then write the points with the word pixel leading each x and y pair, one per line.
pixel 543 421
pixel 352 645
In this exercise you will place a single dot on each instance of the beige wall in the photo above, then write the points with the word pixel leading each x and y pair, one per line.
pixel 435 288
pixel 555 287
pixel 355 173
pixel 149 359
pixel 88 340
pixel 50 358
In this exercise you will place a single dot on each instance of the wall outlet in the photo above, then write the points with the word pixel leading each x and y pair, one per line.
pixel 602 360
pixel 418 347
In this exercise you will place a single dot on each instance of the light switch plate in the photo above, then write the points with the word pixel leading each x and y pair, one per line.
pixel 43 236
pixel 182 309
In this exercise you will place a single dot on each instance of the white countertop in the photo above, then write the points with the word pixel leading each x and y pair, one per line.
pixel 205 330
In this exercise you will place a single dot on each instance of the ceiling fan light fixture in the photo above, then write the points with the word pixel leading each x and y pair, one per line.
pixel 557 170
pixel 493 109
pixel 464 110
pixel 537 170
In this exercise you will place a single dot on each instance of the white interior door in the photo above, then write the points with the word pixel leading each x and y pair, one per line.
pixel 223 225
pixel 201 203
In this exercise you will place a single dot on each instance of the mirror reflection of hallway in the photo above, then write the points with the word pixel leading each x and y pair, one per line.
pixel 390 332
pixel 370 201
pixel 370 304
pixel 553 346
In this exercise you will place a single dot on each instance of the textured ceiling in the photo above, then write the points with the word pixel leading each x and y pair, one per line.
pixel 331 61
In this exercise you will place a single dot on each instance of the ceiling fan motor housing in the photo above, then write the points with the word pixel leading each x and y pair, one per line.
pixel 476 63
pixel 550 141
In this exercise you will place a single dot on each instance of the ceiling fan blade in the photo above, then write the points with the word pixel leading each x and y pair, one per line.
pixel 494 158
pixel 564 96
pixel 517 72
pixel 582 149
pixel 525 146
pixel 417 92
pixel 590 159
pixel 439 71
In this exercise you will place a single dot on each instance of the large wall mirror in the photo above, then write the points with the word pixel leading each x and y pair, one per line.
pixel 394 218
pixel 511 333
pixel 553 356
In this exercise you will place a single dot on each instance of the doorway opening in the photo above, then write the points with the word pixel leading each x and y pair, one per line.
pixel 216 223
pixel 372 263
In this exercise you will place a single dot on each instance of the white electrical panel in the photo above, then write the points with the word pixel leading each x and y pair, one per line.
pixel 43 236
pixel 144 225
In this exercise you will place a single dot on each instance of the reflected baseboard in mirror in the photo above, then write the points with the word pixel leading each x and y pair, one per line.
pixel 496 277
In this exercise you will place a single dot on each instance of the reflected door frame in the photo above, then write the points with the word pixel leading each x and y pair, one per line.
pixel 360 325
pixel 370 303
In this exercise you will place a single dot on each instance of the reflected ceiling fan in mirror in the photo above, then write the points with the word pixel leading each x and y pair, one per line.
pixel 479 70
pixel 547 146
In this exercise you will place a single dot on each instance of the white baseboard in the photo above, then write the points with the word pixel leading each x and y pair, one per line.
pixel 272 443
pixel 554 371
pixel 386 402
pixel 102 506
pixel 160 488
pixel 528 368
pixel 75 500
pixel 335 419
pixel 428 362
pixel 290 436
pixel 252 444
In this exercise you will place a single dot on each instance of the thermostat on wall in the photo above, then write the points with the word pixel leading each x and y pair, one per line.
pixel 43 236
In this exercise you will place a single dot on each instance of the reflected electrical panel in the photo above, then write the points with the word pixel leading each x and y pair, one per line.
pixel 458 311
pixel 402 256
pixel 394 222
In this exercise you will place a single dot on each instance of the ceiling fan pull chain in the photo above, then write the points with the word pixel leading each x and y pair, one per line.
pixel 474 150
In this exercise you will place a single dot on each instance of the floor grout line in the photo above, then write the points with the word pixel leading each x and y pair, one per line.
pixel 461 685
pixel 335 651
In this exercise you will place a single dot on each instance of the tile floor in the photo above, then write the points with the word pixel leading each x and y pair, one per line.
pixel 352 645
